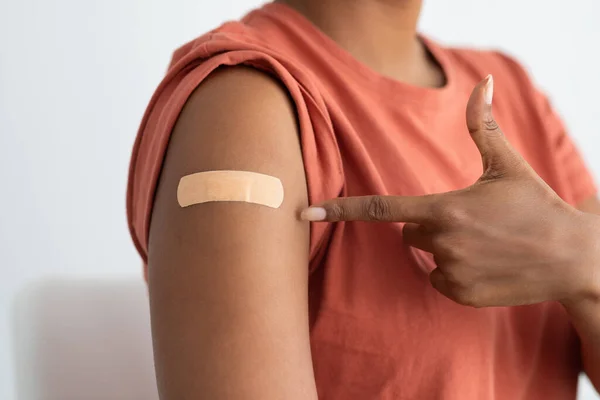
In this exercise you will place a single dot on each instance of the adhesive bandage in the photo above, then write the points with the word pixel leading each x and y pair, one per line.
pixel 249 187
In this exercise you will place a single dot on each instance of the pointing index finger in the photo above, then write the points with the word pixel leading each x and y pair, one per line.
pixel 417 209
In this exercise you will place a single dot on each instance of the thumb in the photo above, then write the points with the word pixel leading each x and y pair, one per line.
pixel 496 153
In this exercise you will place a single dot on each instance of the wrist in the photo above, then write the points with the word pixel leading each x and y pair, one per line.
pixel 585 249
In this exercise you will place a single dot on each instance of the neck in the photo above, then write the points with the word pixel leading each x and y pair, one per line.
pixel 380 33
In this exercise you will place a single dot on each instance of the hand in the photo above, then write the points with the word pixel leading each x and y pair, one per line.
pixel 508 239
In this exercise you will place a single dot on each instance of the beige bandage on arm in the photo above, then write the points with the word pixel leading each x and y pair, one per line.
pixel 249 187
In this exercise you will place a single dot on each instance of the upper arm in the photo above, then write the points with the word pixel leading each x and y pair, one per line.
pixel 228 281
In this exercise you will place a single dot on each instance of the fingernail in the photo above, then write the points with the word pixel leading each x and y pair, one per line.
pixel 313 214
pixel 488 93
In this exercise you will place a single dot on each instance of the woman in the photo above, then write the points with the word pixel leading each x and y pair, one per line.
pixel 342 99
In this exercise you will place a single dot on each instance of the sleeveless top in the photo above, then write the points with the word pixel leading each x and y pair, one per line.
pixel 378 329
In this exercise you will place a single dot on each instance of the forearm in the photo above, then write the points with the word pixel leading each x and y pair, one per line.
pixel 584 310
pixel 585 316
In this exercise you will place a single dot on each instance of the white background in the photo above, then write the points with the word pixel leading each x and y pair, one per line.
pixel 75 77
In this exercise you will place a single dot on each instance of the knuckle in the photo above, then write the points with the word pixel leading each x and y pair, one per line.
pixel 453 251
pixel 461 277
pixel 490 125
pixel 493 171
pixel 439 210
pixel 455 248
pixel 439 244
pixel 451 213
pixel 377 209
pixel 467 297
pixel 337 211
pixel 457 215
pixel 456 277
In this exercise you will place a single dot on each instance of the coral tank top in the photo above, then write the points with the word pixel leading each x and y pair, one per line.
pixel 378 329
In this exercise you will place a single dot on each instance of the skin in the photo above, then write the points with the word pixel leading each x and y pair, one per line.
pixel 585 312
pixel 228 281
pixel 382 34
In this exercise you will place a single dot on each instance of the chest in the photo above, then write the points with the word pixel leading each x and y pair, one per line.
pixel 395 146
